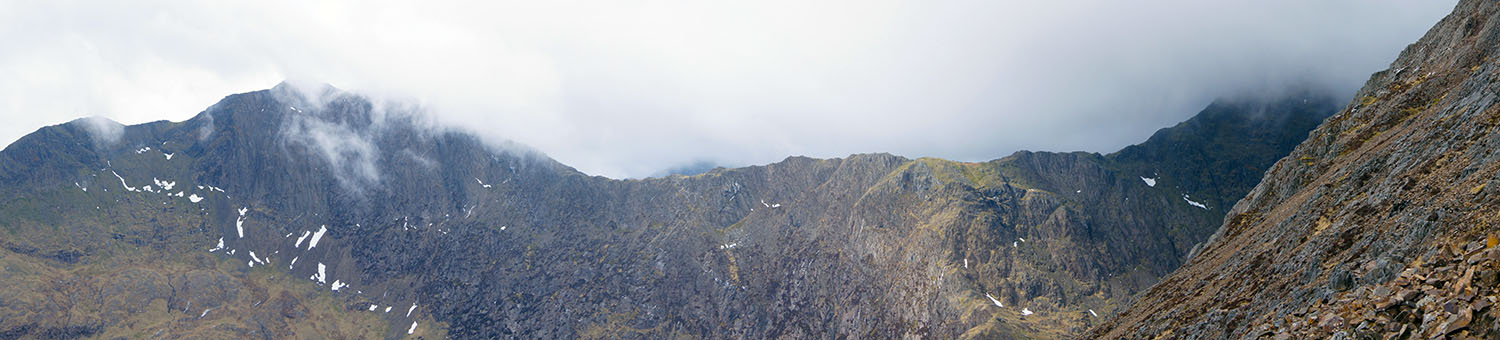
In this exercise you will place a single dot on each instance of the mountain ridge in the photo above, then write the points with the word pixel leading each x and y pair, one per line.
pixel 498 242
pixel 1380 225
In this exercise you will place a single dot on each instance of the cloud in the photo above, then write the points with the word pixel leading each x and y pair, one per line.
pixel 103 131
pixel 318 120
pixel 628 88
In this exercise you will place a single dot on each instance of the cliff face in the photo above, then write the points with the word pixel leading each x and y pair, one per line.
pixel 278 213
pixel 1380 225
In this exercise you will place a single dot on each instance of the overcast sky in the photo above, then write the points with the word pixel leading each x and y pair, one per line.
pixel 628 88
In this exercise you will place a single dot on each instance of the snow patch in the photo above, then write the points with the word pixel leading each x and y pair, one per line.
pixel 300 238
pixel 372 308
pixel 194 198
pixel 486 186
pixel 1025 312
pixel 1150 182
pixel 218 247
pixel 239 223
pixel 1091 312
pixel 322 276
pixel 388 309
pixel 257 259
pixel 1192 203
pixel 337 284
pixel 408 310
pixel 413 328
pixel 122 181
pixel 294 263
pixel 205 312
pixel 164 185
pixel 317 236
pixel 992 299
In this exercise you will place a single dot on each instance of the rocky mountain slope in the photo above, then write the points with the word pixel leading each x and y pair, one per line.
pixel 312 214
pixel 1382 225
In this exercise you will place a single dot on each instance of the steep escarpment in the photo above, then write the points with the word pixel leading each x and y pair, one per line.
pixel 1380 225
pixel 284 212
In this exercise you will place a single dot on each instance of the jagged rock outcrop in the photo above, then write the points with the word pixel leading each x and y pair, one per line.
pixel 1381 225
pixel 285 211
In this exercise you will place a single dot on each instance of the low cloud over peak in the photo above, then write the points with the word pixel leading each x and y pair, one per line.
pixel 627 89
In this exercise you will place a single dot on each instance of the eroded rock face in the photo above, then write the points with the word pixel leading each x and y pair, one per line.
pixel 277 214
pixel 1377 226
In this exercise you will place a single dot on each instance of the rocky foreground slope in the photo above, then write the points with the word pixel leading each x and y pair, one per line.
pixel 1382 225
pixel 297 214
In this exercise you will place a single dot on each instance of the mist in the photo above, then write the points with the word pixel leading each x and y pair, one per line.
pixel 634 88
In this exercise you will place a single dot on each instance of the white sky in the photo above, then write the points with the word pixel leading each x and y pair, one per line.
pixel 628 88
